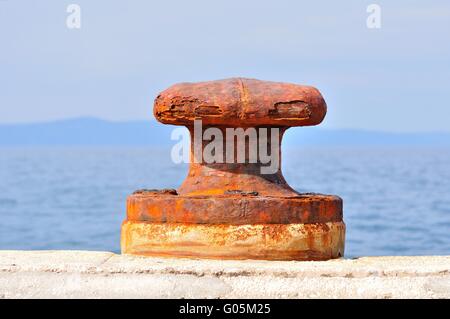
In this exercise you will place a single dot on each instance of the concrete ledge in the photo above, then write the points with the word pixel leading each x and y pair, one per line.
pixel 82 274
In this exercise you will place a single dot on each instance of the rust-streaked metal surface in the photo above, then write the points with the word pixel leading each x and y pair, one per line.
pixel 224 210
pixel 319 241
pixel 234 209
pixel 238 101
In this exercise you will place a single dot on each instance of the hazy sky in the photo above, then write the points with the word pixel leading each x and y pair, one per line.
pixel 396 78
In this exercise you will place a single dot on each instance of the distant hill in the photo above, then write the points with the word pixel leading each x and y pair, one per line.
pixel 86 131
pixel 91 131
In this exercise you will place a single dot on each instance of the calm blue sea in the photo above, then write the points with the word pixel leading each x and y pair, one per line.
pixel 396 199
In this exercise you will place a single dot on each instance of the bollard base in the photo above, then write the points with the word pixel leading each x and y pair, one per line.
pixel 315 241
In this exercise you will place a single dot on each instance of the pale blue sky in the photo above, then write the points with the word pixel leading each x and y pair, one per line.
pixel 396 78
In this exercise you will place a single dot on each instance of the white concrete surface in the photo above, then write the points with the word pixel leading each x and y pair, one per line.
pixel 83 274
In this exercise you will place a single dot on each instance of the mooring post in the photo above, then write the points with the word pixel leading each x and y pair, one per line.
pixel 237 205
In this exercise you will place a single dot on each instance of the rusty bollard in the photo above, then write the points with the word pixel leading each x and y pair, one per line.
pixel 232 210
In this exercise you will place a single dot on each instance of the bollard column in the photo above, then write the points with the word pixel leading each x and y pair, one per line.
pixel 239 206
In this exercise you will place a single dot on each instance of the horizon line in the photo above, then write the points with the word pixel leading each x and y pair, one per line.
pixel 153 120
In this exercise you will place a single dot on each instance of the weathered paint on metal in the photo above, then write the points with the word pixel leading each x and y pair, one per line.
pixel 234 209
pixel 238 102
pixel 320 241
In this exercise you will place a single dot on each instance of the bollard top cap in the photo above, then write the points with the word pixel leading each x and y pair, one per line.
pixel 240 102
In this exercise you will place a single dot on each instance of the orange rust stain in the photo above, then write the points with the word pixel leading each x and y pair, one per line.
pixel 230 242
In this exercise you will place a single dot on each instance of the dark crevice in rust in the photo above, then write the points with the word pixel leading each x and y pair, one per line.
pixel 166 191
pixel 290 109
pixel 208 110
pixel 240 192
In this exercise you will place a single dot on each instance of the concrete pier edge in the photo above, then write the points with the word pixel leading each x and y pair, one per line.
pixel 89 274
